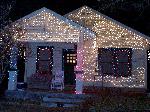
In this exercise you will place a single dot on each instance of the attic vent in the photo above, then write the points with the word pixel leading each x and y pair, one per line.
pixel 88 22
pixel 85 13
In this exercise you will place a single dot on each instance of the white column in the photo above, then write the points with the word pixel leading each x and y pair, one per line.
pixel 12 83
pixel 79 66
pixel 31 58
pixel 57 59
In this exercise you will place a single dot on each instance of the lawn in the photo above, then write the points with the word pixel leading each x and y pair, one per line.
pixel 13 105
pixel 121 104
pixel 97 104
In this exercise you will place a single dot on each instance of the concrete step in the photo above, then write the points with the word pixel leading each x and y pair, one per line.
pixel 56 105
pixel 62 100
pixel 68 96
pixel 25 95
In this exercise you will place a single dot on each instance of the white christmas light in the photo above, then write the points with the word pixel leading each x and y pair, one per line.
pixel 108 35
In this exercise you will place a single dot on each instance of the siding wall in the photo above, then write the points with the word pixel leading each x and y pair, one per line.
pixel 111 34
pixel 139 68
pixel 90 54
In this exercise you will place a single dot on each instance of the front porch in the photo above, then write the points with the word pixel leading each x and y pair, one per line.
pixel 41 66
pixel 44 31
pixel 47 64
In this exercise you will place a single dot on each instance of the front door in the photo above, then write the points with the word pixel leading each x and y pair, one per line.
pixel 69 59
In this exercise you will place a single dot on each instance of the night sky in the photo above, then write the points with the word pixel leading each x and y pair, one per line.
pixel 127 15
pixel 24 7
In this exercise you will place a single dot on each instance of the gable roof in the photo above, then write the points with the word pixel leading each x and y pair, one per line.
pixel 66 20
pixel 107 18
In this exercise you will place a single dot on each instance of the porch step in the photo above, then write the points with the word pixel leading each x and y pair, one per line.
pixel 49 99
pixel 41 95
pixel 56 105
pixel 62 100
pixel 67 96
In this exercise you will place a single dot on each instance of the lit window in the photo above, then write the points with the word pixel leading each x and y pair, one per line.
pixel 71 58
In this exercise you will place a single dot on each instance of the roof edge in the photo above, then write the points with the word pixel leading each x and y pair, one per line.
pixel 66 20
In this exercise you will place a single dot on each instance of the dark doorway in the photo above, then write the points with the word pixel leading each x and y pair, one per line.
pixel 21 64
pixel 148 70
pixel 69 61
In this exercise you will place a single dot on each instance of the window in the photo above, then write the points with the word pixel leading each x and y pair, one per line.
pixel 115 61
pixel 71 58
pixel 44 60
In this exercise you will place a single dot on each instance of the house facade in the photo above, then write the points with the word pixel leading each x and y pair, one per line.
pixel 89 47
pixel 114 41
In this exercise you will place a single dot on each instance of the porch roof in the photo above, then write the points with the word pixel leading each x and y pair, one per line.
pixel 45 25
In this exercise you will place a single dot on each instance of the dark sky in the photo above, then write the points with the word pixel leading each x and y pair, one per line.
pixel 24 7
pixel 127 15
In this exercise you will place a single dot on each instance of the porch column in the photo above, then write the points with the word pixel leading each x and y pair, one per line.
pixel 12 83
pixel 57 59
pixel 79 66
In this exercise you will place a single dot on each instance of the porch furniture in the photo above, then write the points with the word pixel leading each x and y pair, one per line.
pixel 57 81
pixel 39 80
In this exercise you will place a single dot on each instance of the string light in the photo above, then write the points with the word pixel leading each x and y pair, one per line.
pixel 109 34
pixel 45 26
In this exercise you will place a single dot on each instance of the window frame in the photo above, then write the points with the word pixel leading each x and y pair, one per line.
pixel 46 60
pixel 115 62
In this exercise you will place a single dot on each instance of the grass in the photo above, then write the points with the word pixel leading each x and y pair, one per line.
pixel 121 104
pixel 7 105
pixel 107 104
pixel 13 105
pixel 100 103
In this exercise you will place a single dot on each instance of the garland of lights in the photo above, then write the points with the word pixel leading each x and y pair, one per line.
pixel 46 27
pixel 109 35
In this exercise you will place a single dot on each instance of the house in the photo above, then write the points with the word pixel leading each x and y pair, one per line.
pixel 90 48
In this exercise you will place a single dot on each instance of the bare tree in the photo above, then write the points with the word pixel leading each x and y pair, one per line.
pixel 5 33
pixel 5 8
